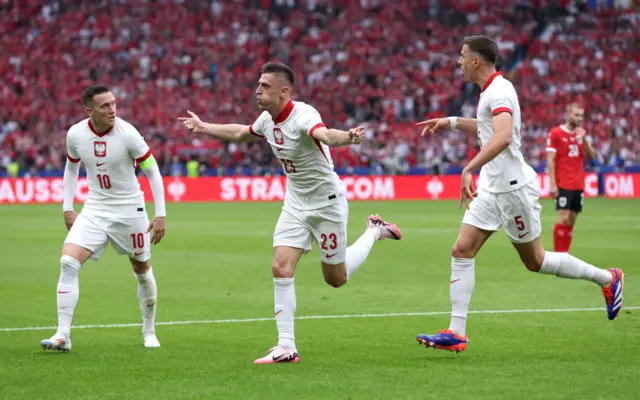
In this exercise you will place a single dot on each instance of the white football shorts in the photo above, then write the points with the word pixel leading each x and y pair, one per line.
pixel 127 235
pixel 517 212
pixel 326 226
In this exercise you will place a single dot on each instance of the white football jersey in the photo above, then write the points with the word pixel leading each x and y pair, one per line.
pixel 508 171
pixel 109 159
pixel 311 181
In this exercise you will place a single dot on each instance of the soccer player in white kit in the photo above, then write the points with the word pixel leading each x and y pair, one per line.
pixel 315 206
pixel 114 211
pixel 507 197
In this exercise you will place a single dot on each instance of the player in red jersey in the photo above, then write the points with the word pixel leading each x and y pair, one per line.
pixel 567 147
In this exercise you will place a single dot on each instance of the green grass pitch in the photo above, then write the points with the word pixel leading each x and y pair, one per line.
pixel 213 268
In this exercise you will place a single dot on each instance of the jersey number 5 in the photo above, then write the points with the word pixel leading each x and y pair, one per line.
pixel 105 181
pixel 574 151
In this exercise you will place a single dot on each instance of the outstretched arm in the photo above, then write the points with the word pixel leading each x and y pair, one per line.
pixel 228 132
pixel 336 137
pixel 468 125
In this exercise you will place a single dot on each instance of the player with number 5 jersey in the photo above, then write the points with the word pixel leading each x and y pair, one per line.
pixel 114 211
pixel 315 206
pixel 507 197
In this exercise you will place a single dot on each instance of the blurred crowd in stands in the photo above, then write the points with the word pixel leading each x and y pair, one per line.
pixel 384 64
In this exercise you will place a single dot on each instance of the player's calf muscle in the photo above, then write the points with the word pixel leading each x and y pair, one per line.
pixel 531 254
pixel 335 275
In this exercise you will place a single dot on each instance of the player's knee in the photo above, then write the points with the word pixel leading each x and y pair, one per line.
pixel 281 269
pixel 461 250
pixel 565 220
pixel 69 263
pixel 69 268
pixel 140 267
pixel 534 264
pixel 335 282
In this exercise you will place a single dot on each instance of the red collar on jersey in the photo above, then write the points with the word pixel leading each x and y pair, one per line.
pixel 491 78
pixel 96 133
pixel 284 114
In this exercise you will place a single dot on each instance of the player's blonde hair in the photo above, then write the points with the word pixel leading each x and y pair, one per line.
pixel 571 106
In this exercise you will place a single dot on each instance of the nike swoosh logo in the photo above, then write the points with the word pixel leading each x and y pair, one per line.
pixel 139 254
pixel 60 292
pixel 100 164
pixel 523 235
pixel 455 280
pixel 331 255
pixel 278 312
pixel 151 305
pixel 284 357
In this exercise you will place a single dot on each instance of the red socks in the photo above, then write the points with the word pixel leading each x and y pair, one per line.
pixel 562 235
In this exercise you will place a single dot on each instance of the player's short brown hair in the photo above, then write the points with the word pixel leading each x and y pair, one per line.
pixel 483 46
pixel 87 95
pixel 281 70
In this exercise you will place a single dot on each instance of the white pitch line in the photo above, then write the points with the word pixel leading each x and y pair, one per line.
pixel 344 316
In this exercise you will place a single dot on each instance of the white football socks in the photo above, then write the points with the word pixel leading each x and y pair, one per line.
pixel 285 308
pixel 565 265
pixel 463 279
pixel 147 297
pixel 68 292
pixel 357 253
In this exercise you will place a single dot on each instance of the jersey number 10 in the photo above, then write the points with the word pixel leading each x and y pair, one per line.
pixel 105 181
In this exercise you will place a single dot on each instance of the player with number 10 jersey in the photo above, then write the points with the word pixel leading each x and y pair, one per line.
pixel 114 211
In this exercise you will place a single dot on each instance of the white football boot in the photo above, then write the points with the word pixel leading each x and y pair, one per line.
pixel 58 342
pixel 150 340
